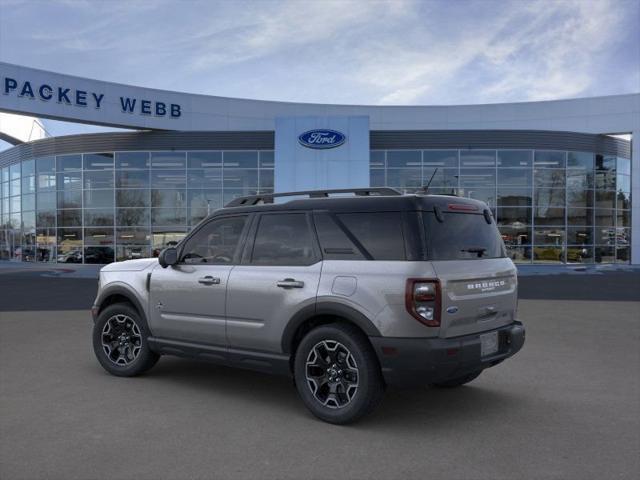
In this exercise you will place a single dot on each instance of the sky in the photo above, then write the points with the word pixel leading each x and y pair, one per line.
pixel 396 52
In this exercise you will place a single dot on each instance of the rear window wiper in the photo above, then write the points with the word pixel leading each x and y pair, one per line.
pixel 479 250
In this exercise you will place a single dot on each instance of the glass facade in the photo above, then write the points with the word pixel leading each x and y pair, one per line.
pixel 106 206
pixel 551 206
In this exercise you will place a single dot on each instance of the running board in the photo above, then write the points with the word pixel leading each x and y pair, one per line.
pixel 249 359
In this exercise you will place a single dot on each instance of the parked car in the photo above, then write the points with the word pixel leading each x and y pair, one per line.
pixel 347 295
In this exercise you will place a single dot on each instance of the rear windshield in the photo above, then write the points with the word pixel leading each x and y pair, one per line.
pixel 462 236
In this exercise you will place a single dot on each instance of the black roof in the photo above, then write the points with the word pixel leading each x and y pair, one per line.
pixel 377 203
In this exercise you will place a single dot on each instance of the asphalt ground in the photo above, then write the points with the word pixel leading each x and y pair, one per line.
pixel 566 407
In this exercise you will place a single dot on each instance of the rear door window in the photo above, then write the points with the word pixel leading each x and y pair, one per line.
pixel 284 239
pixel 462 236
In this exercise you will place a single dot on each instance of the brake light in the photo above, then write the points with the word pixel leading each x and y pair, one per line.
pixel 462 207
pixel 422 300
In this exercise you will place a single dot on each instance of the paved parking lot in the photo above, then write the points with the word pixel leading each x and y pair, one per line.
pixel 568 406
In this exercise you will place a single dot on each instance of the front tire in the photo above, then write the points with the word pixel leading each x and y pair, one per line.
pixel 120 341
pixel 337 374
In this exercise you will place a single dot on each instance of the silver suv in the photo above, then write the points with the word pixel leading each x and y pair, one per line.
pixel 345 293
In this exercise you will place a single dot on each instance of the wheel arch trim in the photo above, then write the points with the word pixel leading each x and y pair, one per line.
pixel 326 308
pixel 121 290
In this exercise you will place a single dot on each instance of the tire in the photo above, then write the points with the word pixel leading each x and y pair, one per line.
pixel 121 347
pixel 458 381
pixel 349 385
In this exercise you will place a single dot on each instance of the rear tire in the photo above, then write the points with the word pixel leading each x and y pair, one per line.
pixel 458 381
pixel 120 341
pixel 337 374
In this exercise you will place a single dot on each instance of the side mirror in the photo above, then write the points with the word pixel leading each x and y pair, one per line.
pixel 168 256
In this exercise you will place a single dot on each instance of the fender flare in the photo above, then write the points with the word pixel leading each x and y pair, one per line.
pixel 326 308
pixel 118 289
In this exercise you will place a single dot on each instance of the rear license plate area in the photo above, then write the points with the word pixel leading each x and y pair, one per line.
pixel 489 344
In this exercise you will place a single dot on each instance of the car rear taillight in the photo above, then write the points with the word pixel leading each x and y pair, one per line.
pixel 422 299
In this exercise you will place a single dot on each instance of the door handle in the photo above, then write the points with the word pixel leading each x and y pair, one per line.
pixel 290 283
pixel 209 280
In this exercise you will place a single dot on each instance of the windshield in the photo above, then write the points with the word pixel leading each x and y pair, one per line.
pixel 462 236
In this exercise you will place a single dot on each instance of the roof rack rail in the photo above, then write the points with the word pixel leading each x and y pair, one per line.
pixel 268 197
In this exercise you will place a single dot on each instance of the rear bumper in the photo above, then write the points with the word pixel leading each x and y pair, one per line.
pixel 420 361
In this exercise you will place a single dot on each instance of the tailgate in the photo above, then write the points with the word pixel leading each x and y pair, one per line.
pixel 477 295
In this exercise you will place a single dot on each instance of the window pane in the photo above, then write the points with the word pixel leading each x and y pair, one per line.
pixel 605 199
pixel 133 236
pixel 267 159
pixel 443 178
pixel 514 216
pixel 548 254
pixel 46 181
pixel 70 180
pixel 580 235
pixel 99 254
pixel 70 218
pixel 578 197
pixel 377 178
pixel 477 177
pixel 379 233
pixel 98 198
pixel 549 236
pixel 334 242
pixel 519 254
pixel 14 187
pixel 624 218
pixel 216 243
pixel 584 160
pixel 168 198
pixel 132 160
pixel 623 166
pixel 46 201
pixel 549 159
pixel 28 168
pixel 205 178
pixel 132 217
pixel 514 197
pixel 580 254
pixel 168 160
pixel 132 252
pixel 514 176
pixel 204 159
pixel 98 179
pixel 605 235
pixel 605 163
pixel 486 195
pixel 168 216
pixel 404 158
pixel 283 240
pixel 579 178
pixel 623 183
pixel 404 177
pixel 168 179
pixel 98 217
pixel 98 161
pixel 440 158
pixel 623 254
pixel 376 158
pixel 549 178
pixel 240 178
pixel 515 158
pixel 28 184
pixel 548 216
pixel 240 159
pixel 479 158
pixel 70 199
pixel 69 162
pixel 579 216
pixel 519 234
pixel 132 178
pixel 266 179
pixel 604 254
pixel 46 218
pixel 43 165
pixel 545 197
pixel 29 202
pixel 132 198
pixel 604 217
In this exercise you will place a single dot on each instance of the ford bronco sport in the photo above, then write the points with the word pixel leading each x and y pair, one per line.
pixel 347 294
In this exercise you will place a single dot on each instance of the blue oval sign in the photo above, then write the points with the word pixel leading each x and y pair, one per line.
pixel 452 309
pixel 322 138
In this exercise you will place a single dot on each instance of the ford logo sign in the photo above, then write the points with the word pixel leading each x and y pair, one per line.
pixel 322 138
pixel 452 309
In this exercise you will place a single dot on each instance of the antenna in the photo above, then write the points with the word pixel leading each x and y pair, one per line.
pixel 425 188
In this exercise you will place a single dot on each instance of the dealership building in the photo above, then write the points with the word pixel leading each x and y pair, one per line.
pixel 561 177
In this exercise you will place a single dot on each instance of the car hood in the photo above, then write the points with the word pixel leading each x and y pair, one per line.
pixel 130 265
